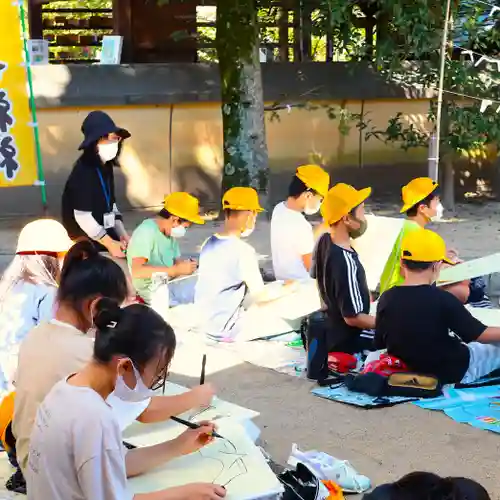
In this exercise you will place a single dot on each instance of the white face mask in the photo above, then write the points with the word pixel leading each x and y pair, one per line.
pixel 439 213
pixel 178 231
pixel 247 232
pixel 314 209
pixel 139 393
pixel 107 151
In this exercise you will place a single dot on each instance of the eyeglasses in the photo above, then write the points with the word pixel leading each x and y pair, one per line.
pixel 160 379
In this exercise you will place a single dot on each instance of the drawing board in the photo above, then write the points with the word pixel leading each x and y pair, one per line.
pixel 375 246
pixel 218 410
pixel 489 317
pixel 282 315
pixel 304 300
pixel 234 462
pixel 470 269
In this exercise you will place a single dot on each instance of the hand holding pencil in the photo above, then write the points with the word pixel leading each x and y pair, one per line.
pixel 194 438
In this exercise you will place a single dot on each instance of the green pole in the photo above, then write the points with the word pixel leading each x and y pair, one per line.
pixel 38 149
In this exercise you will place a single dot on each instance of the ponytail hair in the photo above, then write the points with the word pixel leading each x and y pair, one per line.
pixel 86 274
pixel 136 332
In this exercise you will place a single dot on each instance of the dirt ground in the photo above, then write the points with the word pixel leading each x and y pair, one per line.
pixel 383 444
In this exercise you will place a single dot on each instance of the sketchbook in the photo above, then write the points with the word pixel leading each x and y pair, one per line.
pixel 470 269
pixel 234 462
pixel 375 246
pixel 489 317
pixel 219 410
pixel 304 300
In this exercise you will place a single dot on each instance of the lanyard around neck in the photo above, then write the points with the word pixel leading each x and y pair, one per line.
pixel 105 189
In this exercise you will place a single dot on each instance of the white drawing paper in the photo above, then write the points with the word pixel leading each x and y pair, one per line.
pixel 470 269
pixel 218 411
pixel 234 462
pixel 375 246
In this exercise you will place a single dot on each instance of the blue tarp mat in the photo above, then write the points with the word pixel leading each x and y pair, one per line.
pixel 453 402
pixel 478 406
pixel 343 395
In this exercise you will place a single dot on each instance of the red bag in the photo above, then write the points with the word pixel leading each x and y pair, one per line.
pixel 386 365
pixel 341 362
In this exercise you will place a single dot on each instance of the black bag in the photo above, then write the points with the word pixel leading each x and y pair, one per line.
pixel 316 343
pixel 403 384
pixel 300 484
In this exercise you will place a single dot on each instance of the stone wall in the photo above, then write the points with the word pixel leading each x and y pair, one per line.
pixel 173 114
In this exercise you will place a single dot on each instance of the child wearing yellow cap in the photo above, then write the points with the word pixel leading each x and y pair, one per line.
pixel 339 273
pixel 154 248
pixel 414 320
pixel 229 277
pixel 422 204
pixel 292 236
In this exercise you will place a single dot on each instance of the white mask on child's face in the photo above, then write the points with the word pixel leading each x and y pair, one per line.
pixel 249 230
pixel 314 209
pixel 178 231
pixel 107 151
pixel 313 205
pixel 139 393
pixel 439 213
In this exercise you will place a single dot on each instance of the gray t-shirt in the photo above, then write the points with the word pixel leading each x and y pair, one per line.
pixel 76 450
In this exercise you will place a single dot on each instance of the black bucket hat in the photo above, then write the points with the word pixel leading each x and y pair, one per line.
pixel 99 124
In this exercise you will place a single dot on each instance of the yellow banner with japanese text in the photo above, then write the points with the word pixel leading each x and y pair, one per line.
pixel 18 165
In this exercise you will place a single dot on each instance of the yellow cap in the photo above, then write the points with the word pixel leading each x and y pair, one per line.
pixel 424 245
pixel 184 206
pixel 340 200
pixel 43 235
pixel 241 198
pixel 314 177
pixel 417 190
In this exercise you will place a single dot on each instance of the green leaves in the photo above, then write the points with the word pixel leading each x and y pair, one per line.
pixel 408 39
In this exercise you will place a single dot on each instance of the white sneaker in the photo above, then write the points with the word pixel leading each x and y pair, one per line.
pixel 328 468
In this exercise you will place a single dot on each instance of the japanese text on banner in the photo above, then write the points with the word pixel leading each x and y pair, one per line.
pixel 17 145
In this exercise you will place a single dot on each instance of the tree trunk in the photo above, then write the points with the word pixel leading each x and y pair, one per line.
pixel 245 148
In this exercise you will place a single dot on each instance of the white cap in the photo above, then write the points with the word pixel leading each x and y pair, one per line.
pixel 43 235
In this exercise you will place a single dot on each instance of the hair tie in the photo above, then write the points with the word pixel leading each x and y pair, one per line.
pixel 112 324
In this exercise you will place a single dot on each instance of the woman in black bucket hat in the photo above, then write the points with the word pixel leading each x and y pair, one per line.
pixel 89 209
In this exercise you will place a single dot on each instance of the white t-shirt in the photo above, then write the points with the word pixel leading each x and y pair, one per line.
pixel 291 238
pixel 228 272
pixel 76 450
pixel 25 306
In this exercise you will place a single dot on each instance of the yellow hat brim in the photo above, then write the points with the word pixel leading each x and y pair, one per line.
pixel 408 206
pixel 194 218
pixel 424 195
pixel 244 209
pixel 362 195
pixel 321 191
